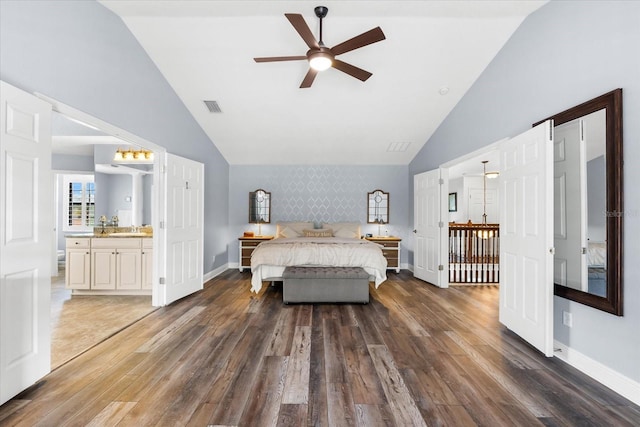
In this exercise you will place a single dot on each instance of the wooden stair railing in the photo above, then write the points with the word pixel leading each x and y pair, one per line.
pixel 474 251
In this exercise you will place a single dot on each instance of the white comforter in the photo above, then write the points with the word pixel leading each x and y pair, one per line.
pixel 270 258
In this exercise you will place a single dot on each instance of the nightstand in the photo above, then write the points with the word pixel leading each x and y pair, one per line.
pixel 391 250
pixel 245 249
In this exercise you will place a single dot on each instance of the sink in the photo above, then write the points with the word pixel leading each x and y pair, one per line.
pixel 129 234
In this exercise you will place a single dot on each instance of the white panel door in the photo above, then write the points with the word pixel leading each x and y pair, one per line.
pixel 430 246
pixel 526 236
pixel 570 206
pixel 184 227
pixel 26 224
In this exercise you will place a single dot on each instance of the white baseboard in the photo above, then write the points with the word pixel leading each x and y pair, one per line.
pixel 617 382
pixel 214 273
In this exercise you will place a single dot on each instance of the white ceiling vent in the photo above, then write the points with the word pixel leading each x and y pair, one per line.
pixel 213 106
pixel 398 147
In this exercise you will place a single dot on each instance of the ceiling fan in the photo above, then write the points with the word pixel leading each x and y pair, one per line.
pixel 321 57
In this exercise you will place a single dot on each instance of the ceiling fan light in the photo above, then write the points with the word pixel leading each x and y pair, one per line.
pixel 320 61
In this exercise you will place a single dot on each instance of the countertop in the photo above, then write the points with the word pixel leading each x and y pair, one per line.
pixel 118 235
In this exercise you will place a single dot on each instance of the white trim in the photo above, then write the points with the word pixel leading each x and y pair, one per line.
pixel 218 271
pixel 624 386
pixel 96 123
pixel 472 155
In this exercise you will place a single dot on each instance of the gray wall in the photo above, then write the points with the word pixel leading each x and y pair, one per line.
pixel 68 162
pixel 565 53
pixel 83 55
pixel 320 194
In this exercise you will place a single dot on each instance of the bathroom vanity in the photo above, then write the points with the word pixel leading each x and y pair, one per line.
pixel 115 264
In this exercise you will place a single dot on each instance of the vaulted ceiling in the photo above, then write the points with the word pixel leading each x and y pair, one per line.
pixel 433 53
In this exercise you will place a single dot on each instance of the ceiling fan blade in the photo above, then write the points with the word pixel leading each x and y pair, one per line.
pixel 309 78
pixel 280 58
pixel 372 36
pixel 356 72
pixel 302 28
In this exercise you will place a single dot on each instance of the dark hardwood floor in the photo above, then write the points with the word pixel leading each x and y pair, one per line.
pixel 415 355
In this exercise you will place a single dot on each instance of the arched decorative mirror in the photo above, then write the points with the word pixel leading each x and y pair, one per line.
pixel 377 207
pixel 588 203
pixel 259 207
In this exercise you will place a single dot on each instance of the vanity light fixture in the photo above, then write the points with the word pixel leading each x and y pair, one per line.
pixel 133 155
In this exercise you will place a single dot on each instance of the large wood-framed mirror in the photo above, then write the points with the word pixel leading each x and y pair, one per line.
pixel 377 207
pixel 597 268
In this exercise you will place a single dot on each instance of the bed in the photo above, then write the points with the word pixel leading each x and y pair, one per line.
pixel 300 244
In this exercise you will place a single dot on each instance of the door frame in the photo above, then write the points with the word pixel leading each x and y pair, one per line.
pixel 157 199
pixel 448 166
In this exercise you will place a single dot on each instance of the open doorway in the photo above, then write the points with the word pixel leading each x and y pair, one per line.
pixel 473 231
pixel 87 186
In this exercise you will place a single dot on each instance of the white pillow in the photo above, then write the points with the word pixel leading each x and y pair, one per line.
pixel 292 229
pixel 344 229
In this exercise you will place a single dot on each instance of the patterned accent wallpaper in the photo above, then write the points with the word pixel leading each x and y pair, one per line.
pixel 319 193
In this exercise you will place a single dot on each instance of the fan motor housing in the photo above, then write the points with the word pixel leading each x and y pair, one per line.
pixel 321 11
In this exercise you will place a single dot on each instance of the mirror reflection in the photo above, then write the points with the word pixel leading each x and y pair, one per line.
pixel 377 207
pixel 588 198
pixel 259 207
pixel 580 204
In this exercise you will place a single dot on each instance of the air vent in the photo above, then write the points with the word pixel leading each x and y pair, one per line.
pixel 398 147
pixel 213 106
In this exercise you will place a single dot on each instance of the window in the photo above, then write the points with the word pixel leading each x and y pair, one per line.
pixel 80 202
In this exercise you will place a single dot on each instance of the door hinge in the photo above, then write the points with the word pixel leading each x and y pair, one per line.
pixel 440 224
pixel 186 185
pixel 161 280
pixel 441 181
pixel 161 225
pixel 584 251
pixel 440 267
pixel 163 169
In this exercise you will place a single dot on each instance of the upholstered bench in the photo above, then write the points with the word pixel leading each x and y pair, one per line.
pixel 325 284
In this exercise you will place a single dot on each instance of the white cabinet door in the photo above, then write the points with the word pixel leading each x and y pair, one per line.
pixel 430 246
pixel 78 269
pixel 129 269
pixel 103 268
pixel 147 268
pixel 78 263
pixel 526 236
pixel 26 224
